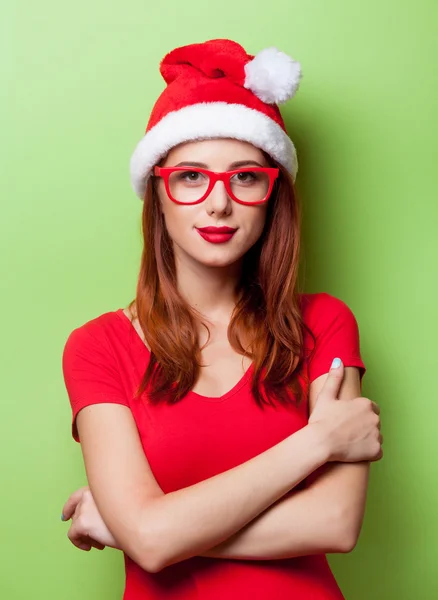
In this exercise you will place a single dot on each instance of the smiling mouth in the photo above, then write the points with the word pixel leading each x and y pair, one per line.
pixel 216 229
pixel 216 237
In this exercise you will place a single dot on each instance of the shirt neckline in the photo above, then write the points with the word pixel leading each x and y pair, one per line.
pixel 238 386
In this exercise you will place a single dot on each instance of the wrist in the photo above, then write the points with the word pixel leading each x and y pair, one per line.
pixel 320 442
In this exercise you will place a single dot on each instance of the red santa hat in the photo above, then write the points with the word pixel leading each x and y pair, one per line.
pixel 216 90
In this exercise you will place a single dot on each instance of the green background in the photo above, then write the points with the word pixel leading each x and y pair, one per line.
pixel 78 82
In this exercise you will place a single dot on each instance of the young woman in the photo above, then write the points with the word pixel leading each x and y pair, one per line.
pixel 226 451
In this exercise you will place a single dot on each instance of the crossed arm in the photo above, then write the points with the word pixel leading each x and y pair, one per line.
pixel 324 517
pixel 270 523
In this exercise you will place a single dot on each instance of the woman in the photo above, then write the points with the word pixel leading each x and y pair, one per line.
pixel 225 453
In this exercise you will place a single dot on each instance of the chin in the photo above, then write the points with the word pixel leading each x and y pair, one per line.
pixel 213 255
pixel 217 255
pixel 218 261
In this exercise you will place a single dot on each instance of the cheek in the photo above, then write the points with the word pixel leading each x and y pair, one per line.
pixel 168 211
pixel 254 227
pixel 179 221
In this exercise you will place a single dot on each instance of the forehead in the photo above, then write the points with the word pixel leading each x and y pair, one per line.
pixel 218 151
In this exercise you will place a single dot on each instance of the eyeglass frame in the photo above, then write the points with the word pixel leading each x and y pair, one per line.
pixel 214 176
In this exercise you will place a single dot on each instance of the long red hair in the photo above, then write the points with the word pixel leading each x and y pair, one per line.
pixel 267 312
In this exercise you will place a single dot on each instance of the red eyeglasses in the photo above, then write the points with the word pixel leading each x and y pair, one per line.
pixel 191 185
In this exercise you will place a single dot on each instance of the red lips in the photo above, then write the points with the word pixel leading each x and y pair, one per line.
pixel 216 229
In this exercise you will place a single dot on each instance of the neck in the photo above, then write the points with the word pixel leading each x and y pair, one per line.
pixel 208 289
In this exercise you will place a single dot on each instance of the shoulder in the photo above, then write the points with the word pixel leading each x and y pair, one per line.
pixel 94 327
pixel 92 336
pixel 320 309
pixel 90 364
pixel 330 330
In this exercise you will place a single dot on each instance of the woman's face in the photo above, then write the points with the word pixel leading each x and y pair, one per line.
pixel 218 209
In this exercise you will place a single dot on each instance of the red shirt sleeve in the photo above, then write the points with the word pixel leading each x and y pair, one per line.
pixel 336 331
pixel 90 371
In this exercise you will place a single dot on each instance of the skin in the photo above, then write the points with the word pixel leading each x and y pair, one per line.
pixel 207 273
pixel 247 512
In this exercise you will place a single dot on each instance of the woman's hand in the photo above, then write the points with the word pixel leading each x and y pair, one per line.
pixel 87 529
pixel 352 427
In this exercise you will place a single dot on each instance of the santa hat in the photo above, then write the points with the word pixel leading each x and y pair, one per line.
pixel 216 90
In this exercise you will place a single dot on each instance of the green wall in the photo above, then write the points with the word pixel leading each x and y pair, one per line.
pixel 78 82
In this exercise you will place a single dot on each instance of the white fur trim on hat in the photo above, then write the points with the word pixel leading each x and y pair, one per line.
pixel 205 121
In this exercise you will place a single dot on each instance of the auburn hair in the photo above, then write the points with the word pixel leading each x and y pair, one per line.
pixel 267 312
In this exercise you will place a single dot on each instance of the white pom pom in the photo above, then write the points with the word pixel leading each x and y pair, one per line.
pixel 273 76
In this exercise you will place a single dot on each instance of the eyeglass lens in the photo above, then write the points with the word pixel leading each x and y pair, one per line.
pixel 190 186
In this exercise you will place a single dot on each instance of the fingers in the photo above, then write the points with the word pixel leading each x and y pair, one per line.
pixel 78 540
pixel 76 531
pixel 89 543
pixel 83 542
pixel 379 450
pixel 98 545
pixel 332 384
pixel 85 547
pixel 379 456
pixel 73 500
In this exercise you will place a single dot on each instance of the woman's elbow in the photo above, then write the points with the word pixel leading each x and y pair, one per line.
pixel 154 561
pixel 148 558
pixel 346 542
pixel 148 547
pixel 155 544
pixel 165 552
pixel 348 527
pixel 153 565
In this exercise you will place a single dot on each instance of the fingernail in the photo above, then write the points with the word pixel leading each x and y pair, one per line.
pixel 336 363
pixel 62 517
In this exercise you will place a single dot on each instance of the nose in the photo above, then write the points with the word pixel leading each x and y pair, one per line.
pixel 218 200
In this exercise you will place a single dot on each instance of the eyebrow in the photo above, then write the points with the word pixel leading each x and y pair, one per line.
pixel 234 165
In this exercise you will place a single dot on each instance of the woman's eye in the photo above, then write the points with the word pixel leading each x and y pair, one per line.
pixel 245 177
pixel 190 176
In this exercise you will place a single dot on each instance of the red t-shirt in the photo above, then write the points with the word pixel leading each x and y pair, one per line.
pixel 199 437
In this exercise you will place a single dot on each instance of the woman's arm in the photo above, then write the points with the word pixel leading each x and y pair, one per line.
pixel 324 517
pixel 158 529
